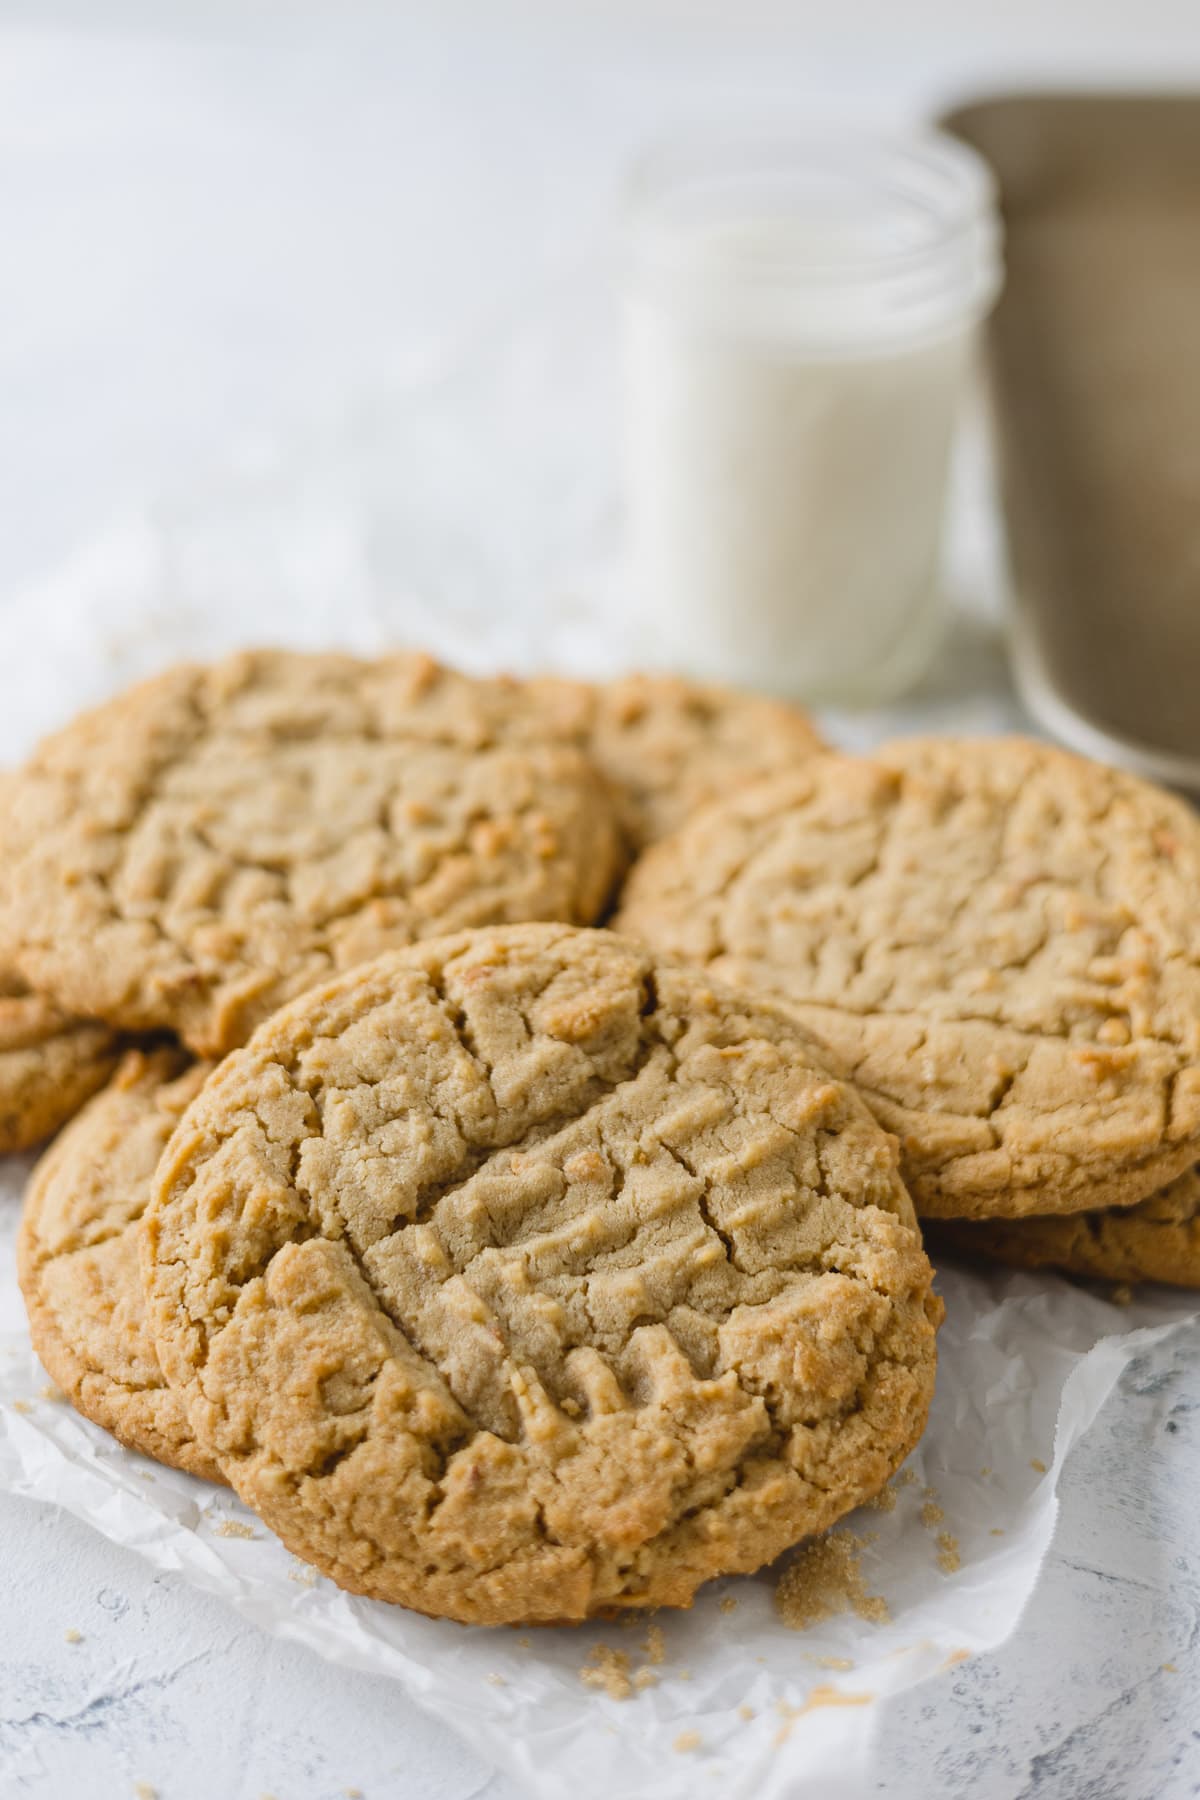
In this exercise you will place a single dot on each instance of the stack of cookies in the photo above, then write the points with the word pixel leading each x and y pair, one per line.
pixel 511 1267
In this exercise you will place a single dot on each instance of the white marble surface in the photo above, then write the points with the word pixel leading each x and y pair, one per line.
pixel 214 234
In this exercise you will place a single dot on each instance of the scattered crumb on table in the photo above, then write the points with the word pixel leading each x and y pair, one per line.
pixel 303 1576
pixel 885 1500
pixel 52 1392
pixel 234 1528
pixel 645 1677
pixel 832 1662
pixel 687 1740
pixel 683 1674
pixel 748 1712
pixel 21 1406
pixel 496 1679
pixel 996 1531
pixel 727 1603
pixel 986 1470
pixel 1035 1462
pixel 932 1515
pixel 655 1645
pixel 71 1636
pixel 525 1642
pixel 143 1791
pixel 1122 1295
pixel 825 1578
pixel 1170 1669
pixel 907 1478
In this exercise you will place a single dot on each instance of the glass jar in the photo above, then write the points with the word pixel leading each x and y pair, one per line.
pixel 799 315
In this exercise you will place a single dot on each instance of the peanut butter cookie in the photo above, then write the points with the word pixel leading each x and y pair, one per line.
pixel 218 839
pixel 999 943
pixel 1156 1240
pixel 50 1064
pixel 670 746
pixel 77 1258
pixel 518 1276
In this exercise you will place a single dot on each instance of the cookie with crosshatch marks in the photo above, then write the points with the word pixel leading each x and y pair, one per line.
pixel 214 841
pixel 77 1258
pixel 519 1276
pixel 998 941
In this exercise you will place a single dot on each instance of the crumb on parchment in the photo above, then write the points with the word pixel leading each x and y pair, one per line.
pixel 609 1670
pixel 824 1578
pixel 822 1695
pixel 932 1515
pixel 142 1790
pixel 727 1603
pixel 21 1406
pixel 71 1636
pixel 234 1528
pixel 656 1645
pixel 1036 1463
pixel 885 1500
pixel 746 1712
pixel 949 1559
pixel 687 1741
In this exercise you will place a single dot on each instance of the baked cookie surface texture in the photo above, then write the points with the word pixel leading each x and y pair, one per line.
pixel 519 1276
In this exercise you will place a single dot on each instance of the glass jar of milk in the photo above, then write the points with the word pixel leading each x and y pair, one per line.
pixel 799 318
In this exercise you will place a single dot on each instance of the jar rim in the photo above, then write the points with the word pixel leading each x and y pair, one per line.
pixel 902 228
pixel 940 178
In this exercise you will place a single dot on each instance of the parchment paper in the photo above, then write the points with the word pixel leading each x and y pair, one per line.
pixel 473 512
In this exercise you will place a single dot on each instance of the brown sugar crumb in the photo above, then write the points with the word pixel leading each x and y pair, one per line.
pixel 748 1712
pixel 832 1662
pixel 932 1515
pixel 949 1561
pixel 496 1679
pixel 608 1669
pixel 21 1406
pixel 687 1741
pixel 655 1646
pixel 906 1478
pixel 52 1392
pixel 823 1579
pixel 727 1603
pixel 234 1528
pixel 885 1500
pixel 71 1636
pixel 1170 1669
pixel 1122 1295
pixel 303 1576
pixel 644 1678
pixel 142 1790
pixel 996 1531
pixel 986 1470
pixel 1035 1462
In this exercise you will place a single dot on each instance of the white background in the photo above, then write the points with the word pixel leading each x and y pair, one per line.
pixel 221 226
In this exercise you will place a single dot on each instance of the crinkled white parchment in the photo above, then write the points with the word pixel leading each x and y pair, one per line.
pixel 473 513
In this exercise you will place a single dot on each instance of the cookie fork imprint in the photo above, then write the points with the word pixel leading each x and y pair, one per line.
pixel 217 839
pixel 517 1276
pixel 998 941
